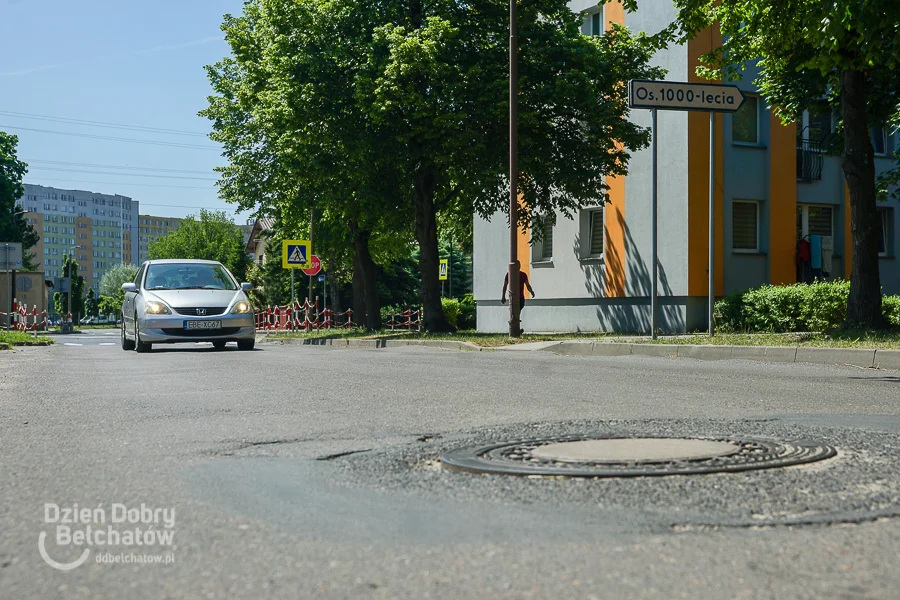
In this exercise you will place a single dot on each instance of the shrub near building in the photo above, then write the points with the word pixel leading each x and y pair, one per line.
pixel 819 306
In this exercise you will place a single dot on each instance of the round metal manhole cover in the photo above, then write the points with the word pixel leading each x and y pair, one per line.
pixel 582 456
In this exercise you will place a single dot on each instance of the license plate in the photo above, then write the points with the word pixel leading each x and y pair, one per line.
pixel 203 324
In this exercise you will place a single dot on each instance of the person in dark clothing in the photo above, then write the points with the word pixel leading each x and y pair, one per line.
pixel 523 283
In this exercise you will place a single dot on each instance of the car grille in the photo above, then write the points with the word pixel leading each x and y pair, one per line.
pixel 193 311
pixel 174 331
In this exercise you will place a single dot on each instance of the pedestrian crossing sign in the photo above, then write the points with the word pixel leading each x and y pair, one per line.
pixel 442 272
pixel 295 254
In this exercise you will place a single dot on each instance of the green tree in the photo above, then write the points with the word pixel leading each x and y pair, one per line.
pixel 395 111
pixel 91 308
pixel 61 299
pixel 111 287
pixel 213 237
pixel 109 306
pixel 13 225
pixel 843 54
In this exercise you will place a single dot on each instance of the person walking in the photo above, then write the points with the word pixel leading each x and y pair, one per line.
pixel 523 283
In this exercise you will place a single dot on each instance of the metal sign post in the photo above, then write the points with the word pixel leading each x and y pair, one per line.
pixel 712 222
pixel 676 95
pixel 654 250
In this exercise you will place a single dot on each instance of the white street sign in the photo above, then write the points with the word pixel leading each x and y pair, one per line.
pixel 678 95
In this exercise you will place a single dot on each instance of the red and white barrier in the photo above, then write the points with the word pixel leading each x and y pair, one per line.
pixel 306 316
pixel 408 319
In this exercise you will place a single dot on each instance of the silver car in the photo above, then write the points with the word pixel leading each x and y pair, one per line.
pixel 173 301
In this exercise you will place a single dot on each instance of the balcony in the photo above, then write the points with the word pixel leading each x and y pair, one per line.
pixel 809 160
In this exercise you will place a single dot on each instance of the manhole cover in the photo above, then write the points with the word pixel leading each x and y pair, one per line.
pixel 581 456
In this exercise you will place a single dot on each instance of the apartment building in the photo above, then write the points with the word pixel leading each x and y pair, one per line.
pixel 774 188
pixel 149 229
pixel 94 227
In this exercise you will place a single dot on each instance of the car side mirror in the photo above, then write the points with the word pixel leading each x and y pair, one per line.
pixel 246 286
pixel 129 287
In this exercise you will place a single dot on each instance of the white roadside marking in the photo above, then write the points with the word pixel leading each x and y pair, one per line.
pixel 72 344
pixel 107 344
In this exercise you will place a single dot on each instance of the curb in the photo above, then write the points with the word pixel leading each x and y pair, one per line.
pixel 857 357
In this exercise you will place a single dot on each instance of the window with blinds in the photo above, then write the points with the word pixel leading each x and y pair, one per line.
pixel 745 226
pixel 596 233
pixel 546 240
pixel 820 221
pixel 884 215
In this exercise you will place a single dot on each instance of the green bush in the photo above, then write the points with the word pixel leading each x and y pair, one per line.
pixel 451 310
pixel 467 312
pixel 819 306
pixel 890 306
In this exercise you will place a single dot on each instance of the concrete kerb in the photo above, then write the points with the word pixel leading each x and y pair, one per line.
pixel 859 357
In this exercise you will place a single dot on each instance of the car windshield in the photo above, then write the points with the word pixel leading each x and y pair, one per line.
pixel 188 276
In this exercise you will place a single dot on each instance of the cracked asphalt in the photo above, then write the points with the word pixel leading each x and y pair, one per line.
pixel 300 472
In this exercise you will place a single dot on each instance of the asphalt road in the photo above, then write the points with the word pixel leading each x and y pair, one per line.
pixel 299 472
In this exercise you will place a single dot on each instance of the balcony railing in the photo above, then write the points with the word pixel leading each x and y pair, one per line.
pixel 809 160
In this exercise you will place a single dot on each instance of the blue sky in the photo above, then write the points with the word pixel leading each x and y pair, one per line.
pixel 119 62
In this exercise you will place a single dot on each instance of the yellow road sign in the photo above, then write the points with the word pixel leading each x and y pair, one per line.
pixel 442 272
pixel 295 254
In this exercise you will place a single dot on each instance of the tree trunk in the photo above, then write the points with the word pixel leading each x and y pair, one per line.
pixel 858 163
pixel 369 280
pixel 365 286
pixel 426 234
pixel 359 288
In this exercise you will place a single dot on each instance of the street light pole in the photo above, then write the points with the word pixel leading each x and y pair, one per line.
pixel 514 327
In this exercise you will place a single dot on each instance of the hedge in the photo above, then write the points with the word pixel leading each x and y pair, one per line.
pixel 818 306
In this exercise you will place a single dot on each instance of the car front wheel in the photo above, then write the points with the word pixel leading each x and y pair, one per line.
pixel 126 343
pixel 138 344
pixel 246 344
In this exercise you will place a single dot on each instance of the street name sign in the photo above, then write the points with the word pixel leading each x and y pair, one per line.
pixel 10 256
pixel 295 254
pixel 710 98
pixel 315 265
pixel 680 95
pixel 442 272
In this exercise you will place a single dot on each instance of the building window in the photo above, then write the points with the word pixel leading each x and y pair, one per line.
pixel 597 23
pixel 596 232
pixel 821 221
pixel 744 226
pixel 879 140
pixel 886 216
pixel 818 125
pixel 815 220
pixel 546 240
pixel 745 122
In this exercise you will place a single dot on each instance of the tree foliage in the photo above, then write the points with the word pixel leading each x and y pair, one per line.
pixel 386 115
pixel 14 227
pixel 111 287
pixel 61 299
pixel 91 307
pixel 843 54
pixel 213 237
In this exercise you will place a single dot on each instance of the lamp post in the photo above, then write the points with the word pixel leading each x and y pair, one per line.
pixel 514 328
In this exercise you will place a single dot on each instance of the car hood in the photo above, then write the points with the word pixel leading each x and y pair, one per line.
pixel 196 298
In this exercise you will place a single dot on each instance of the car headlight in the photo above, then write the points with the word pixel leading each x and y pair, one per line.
pixel 241 308
pixel 151 307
